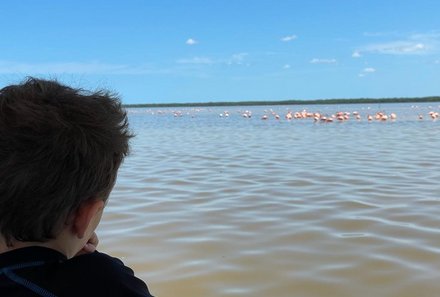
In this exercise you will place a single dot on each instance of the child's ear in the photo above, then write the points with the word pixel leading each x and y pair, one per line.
pixel 85 214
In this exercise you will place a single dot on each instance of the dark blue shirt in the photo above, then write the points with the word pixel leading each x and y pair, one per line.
pixel 39 271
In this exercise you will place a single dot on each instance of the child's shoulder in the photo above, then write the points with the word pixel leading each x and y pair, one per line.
pixel 100 265
pixel 108 273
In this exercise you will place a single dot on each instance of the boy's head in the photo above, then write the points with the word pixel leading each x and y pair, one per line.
pixel 59 147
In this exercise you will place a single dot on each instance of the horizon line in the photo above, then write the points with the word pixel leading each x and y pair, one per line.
pixel 289 102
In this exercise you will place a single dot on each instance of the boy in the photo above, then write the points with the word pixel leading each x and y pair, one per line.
pixel 60 150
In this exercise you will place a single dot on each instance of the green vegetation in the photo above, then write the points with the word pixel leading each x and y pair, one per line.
pixel 292 102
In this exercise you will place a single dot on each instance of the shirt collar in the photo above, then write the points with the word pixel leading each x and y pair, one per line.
pixel 30 254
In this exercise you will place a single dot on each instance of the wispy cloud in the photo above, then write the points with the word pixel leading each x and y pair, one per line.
pixel 367 71
pixel 323 61
pixel 415 44
pixel 289 38
pixel 191 41
pixel 356 54
pixel 196 60
pixel 235 59
pixel 398 48
pixel 286 66
pixel 7 67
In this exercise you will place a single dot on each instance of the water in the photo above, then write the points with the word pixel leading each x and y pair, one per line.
pixel 233 206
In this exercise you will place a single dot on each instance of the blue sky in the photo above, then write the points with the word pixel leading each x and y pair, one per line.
pixel 229 50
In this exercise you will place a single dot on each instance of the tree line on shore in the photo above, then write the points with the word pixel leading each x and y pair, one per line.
pixel 291 102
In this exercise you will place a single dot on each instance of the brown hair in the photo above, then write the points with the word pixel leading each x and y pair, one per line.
pixel 59 146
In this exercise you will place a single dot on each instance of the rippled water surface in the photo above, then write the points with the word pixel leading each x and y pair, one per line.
pixel 232 206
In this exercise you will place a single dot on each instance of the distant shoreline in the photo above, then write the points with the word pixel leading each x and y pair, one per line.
pixel 290 102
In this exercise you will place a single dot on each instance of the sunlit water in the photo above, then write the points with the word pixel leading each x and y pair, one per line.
pixel 232 206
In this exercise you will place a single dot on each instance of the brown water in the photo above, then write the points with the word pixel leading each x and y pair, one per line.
pixel 214 206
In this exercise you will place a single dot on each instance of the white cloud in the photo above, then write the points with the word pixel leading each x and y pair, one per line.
pixel 323 61
pixel 367 71
pixel 398 48
pixel 191 41
pixel 415 44
pixel 289 38
pixel 237 59
pixel 286 66
pixel 356 54
pixel 196 60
